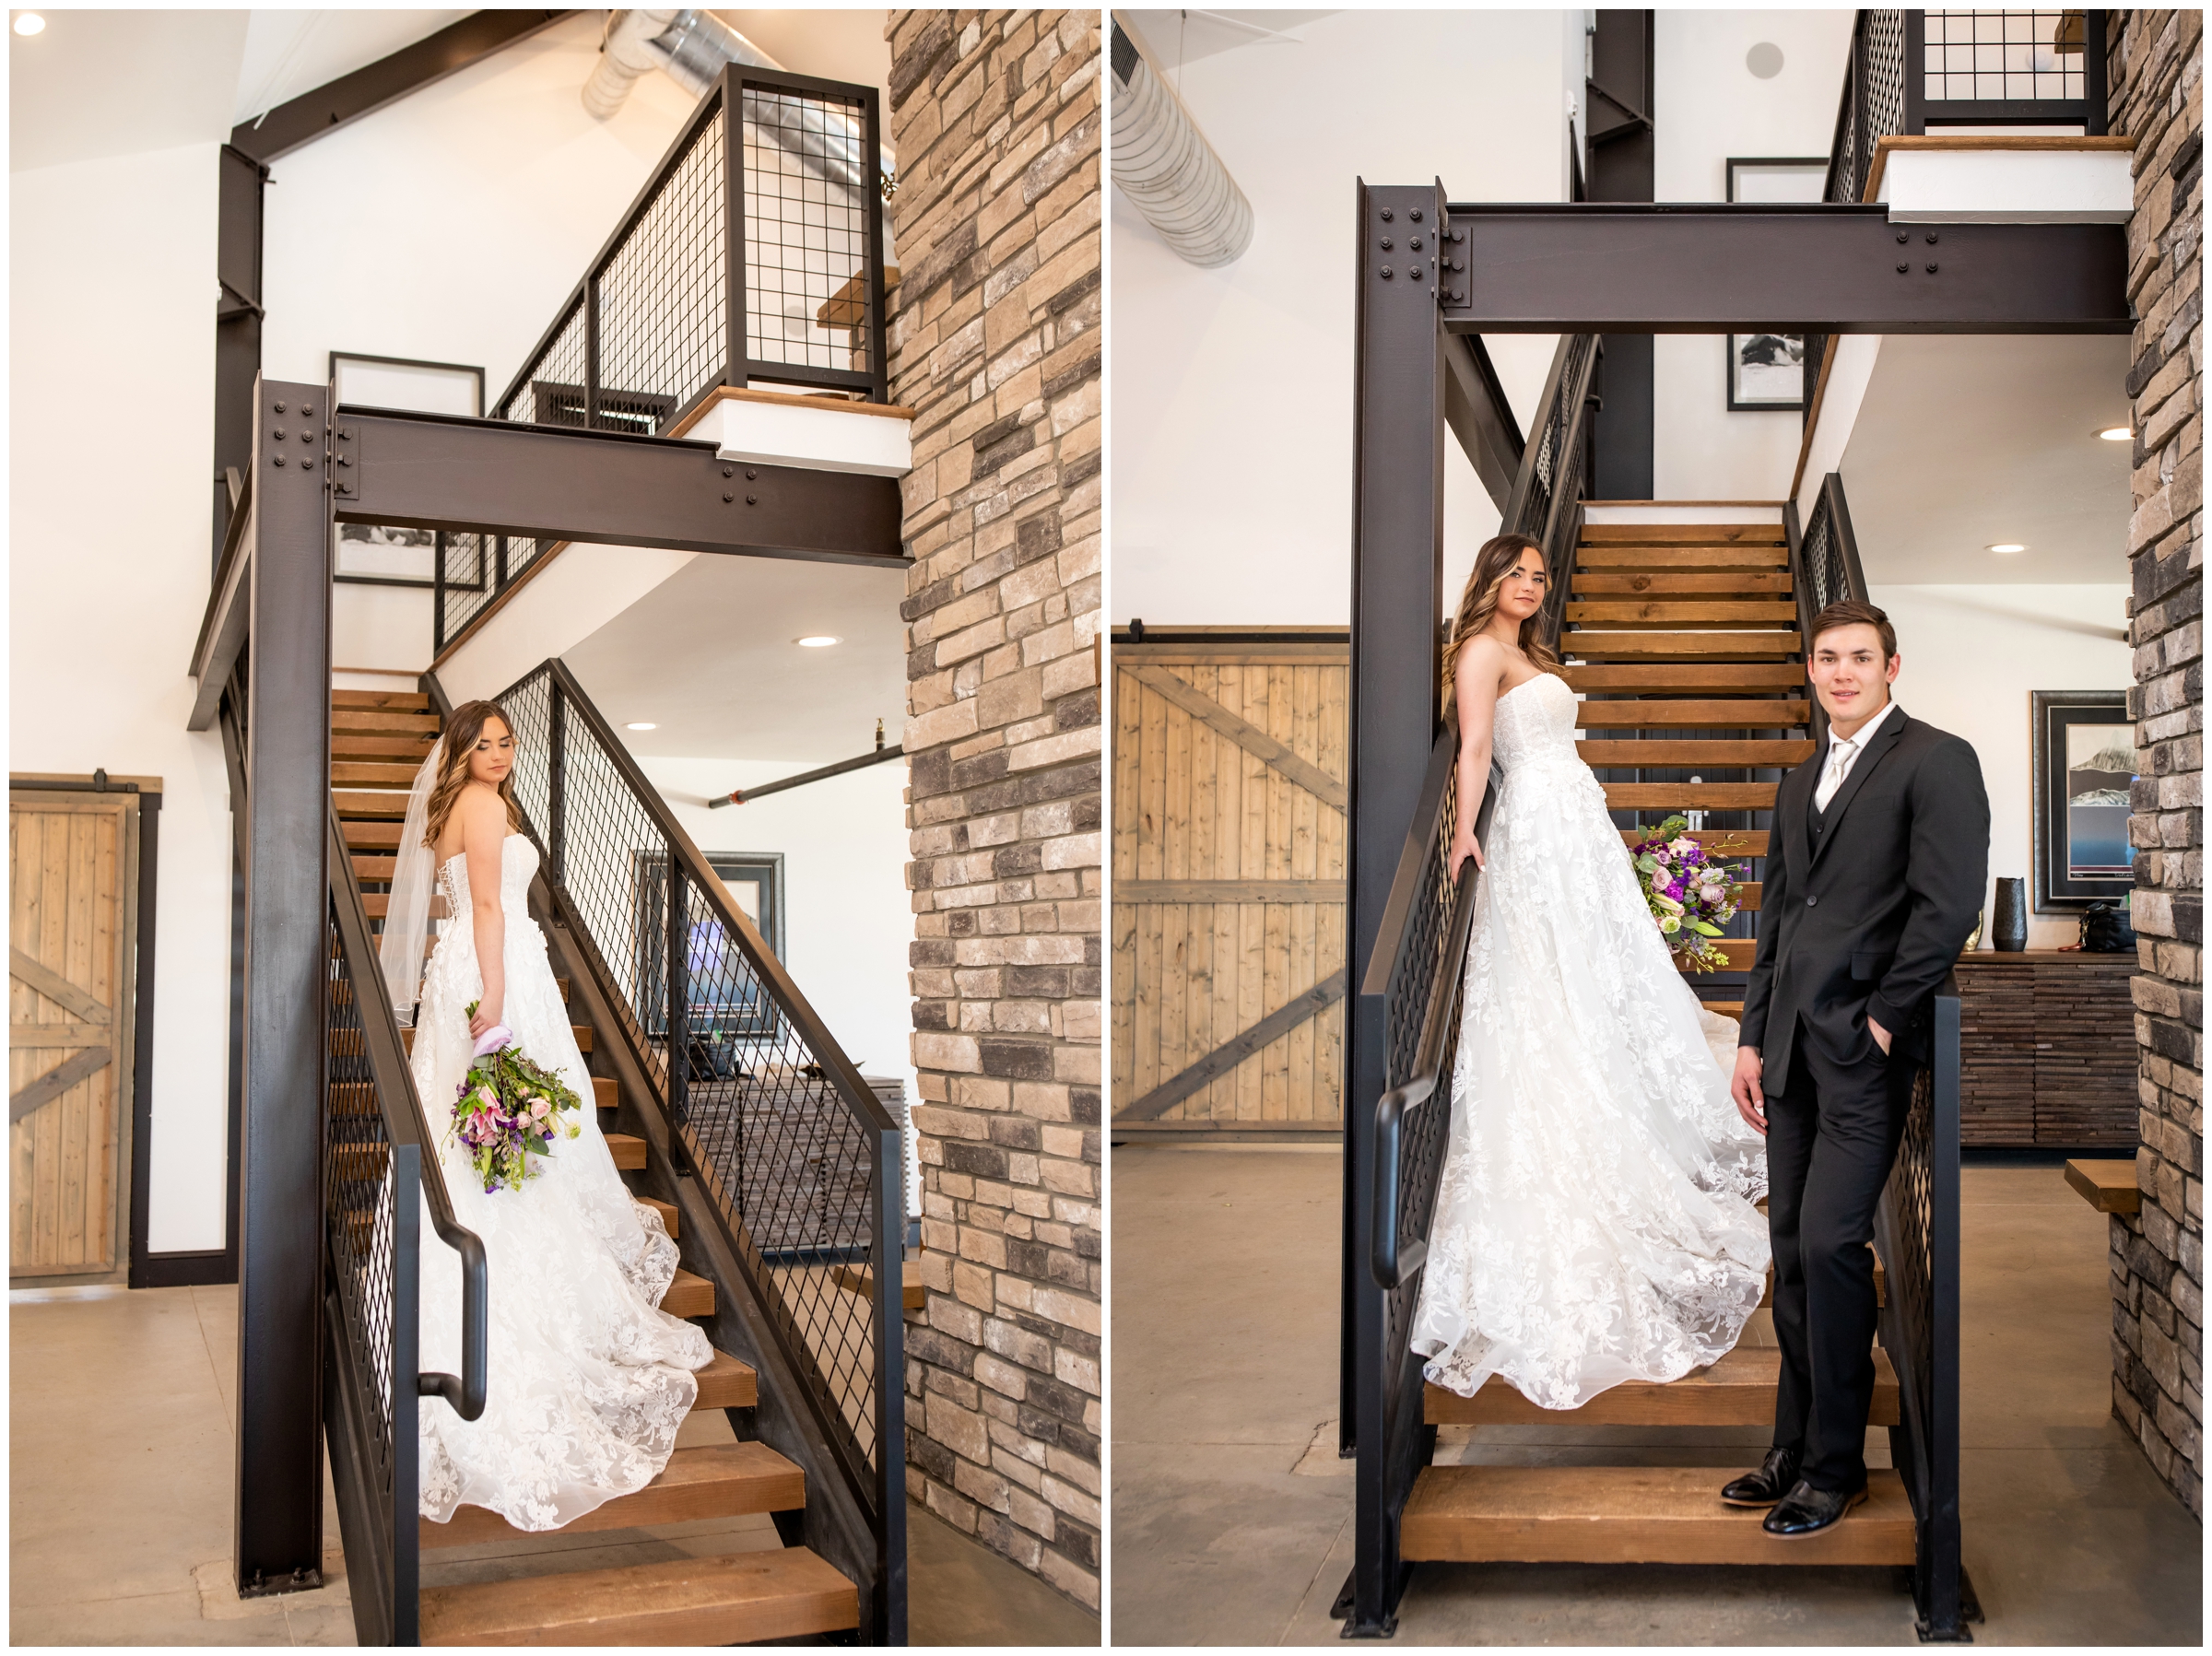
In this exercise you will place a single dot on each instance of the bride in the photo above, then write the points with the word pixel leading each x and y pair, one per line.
pixel 589 1379
pixel 1594 1220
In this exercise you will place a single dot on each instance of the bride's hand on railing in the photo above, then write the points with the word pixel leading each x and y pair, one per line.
pixel 1464 845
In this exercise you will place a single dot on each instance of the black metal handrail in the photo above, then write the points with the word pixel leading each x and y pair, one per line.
pixel 380 1168
pixel 1916 1233
pixel 799 1163
pixel 1546 504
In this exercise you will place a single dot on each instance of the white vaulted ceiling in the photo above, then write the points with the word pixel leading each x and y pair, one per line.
pixel 1968 440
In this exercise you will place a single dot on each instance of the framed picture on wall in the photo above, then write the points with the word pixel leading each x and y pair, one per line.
pixel 380 554
pixel 2085 762
pixel 1766 372
pixel 726 999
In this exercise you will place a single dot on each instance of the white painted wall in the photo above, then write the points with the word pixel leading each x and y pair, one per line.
pixel 1971 655
pixel 111 267
pixel 848 915
pixel 1232 388
pixel 1708 107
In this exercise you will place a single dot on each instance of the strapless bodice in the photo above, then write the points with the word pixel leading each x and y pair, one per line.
pixel 1535 723
pixel 518 863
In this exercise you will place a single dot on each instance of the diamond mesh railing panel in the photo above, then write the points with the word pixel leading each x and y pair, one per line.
pixel 2001 56
pixel 792 1170
pixel 1826 579
pixel 664 334
pixel 359 1208
pixel 807 208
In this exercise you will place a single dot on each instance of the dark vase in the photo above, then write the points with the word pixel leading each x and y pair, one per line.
pixel 2009 930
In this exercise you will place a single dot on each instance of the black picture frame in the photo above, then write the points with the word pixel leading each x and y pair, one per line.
pixel 2082 851
pixel 727 1000
pixel 1747 350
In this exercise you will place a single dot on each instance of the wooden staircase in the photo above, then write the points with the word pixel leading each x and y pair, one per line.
pixel 1683 638
pixel 1684 635
pixel 378 741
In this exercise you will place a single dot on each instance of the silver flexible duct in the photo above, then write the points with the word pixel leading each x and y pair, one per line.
pixel 1171 174
pixel 692 47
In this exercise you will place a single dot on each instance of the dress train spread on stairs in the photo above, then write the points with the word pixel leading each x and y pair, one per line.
pixel 589 1378
pixel 1595 1222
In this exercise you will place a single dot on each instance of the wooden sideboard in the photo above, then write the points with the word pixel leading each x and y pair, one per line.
pixel 2048 1050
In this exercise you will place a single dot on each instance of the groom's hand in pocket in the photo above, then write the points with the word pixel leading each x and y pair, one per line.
pixel 1743 1086
pixel 1882 1037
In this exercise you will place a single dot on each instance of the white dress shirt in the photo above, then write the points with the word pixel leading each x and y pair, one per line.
pixel 1842 754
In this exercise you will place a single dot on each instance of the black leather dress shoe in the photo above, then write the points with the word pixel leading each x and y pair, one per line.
pixel 1768 1484
pixel 1806 1510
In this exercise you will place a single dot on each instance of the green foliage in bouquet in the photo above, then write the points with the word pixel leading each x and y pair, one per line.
pixel 508 1109
pixel 1691 893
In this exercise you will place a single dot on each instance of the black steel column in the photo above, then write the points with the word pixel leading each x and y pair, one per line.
pixel 679 1015
pixel 556 787
pixel 1397 615
pixel 738 365
pixel 1622 159
pixel 239 179
pixel 279 1533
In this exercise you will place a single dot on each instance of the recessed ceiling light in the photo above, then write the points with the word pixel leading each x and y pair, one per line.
pixel 642 725
pixel 2008 546
pixel 29 23
pixel 2117 433
pixel 820 640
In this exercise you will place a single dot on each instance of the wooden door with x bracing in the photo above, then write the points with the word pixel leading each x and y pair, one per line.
pixel 72 884
pixel 1229 884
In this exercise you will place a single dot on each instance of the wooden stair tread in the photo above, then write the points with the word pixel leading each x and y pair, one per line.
pixel 665 1209
pixel 375 870
pixel 1688 646
pixel 1750 754
pixel 1731 678
pixel 1778 611
pixel 1683 559
pixel 718 1480
pixel 1685 535
pixel 689 1295
pixel 629 1150
pixel 383 720
pixel 386 808
pixel 1689 796
pixel 377 905
pixel 370 773
pixel 785 1592
pixel 1740 842
pixel 393 747
pixel 861 1279
pixel 1601 583
pixel 1631 1515
pixel 363 835
pixel 2107 1186
pixel 1738 951
pixel 1735 713
pixel 1737 1390
pixel 608 1094
pixel 725 1383
pixel 405 701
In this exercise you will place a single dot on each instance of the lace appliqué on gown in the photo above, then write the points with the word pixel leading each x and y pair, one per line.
pixel 1594 1220
pixel 589 1378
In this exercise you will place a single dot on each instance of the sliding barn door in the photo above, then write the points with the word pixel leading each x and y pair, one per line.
pixel 1229 886
pixel 72 882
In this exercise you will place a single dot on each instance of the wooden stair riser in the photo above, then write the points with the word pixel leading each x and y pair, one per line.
pixel 1733 714
pixel 1631 1515
pixel 723 1480
pixel 1638 584
pixel 1737 1390
pixel 738 1598
pixel 1605 754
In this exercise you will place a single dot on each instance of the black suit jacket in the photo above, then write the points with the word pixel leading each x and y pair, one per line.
pixel 1869 923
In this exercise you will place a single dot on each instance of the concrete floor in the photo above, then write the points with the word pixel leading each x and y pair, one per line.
pixel 121 1445
pixel 1231 1514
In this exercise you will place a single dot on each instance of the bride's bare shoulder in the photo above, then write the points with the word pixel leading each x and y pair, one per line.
pixel 1481 661
pixel 480 811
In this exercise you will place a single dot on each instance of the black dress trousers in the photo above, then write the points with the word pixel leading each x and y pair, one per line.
pixel 1833 1134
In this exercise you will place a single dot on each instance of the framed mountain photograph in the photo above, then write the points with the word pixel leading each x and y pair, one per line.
pixel 2085 762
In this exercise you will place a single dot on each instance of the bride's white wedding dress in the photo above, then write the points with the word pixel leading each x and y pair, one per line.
pixel 589 1379
pixel 1594 1220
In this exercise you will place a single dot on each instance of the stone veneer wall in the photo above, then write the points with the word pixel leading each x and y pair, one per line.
pixel 994 342
pixel 2158 1253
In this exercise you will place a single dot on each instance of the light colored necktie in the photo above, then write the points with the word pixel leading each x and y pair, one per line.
pixel 1839 757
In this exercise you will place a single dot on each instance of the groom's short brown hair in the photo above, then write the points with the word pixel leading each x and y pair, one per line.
pixel 1850 612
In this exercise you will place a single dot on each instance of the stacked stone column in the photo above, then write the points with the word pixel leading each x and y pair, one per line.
pixel 2158 1253
pixel 994 342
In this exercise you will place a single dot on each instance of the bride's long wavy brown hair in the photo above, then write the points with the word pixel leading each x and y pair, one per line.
pixel 1478 603
pixel 462 732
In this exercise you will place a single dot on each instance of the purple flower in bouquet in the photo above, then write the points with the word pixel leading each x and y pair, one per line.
pixel 507 1109
pixel 1690 892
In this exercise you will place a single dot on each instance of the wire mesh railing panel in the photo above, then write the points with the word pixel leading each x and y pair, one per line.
pixel 550 391
pixel 753 1107
pixel 1886 71
pixel 664 334
pixel 359 1211
pixel 1826 580
pixel 806 210
pixel 2003 56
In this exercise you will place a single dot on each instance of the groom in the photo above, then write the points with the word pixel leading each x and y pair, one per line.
pixel 1874 875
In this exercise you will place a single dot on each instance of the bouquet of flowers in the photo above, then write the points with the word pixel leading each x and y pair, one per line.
pixel 1692 894
pixel 508 1109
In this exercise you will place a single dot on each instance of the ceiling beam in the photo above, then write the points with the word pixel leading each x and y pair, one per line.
pixel 342 101
pixel 1623 268
pixel 484 476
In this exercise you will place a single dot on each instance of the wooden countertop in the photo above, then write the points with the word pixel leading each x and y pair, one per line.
pixel 2041 957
